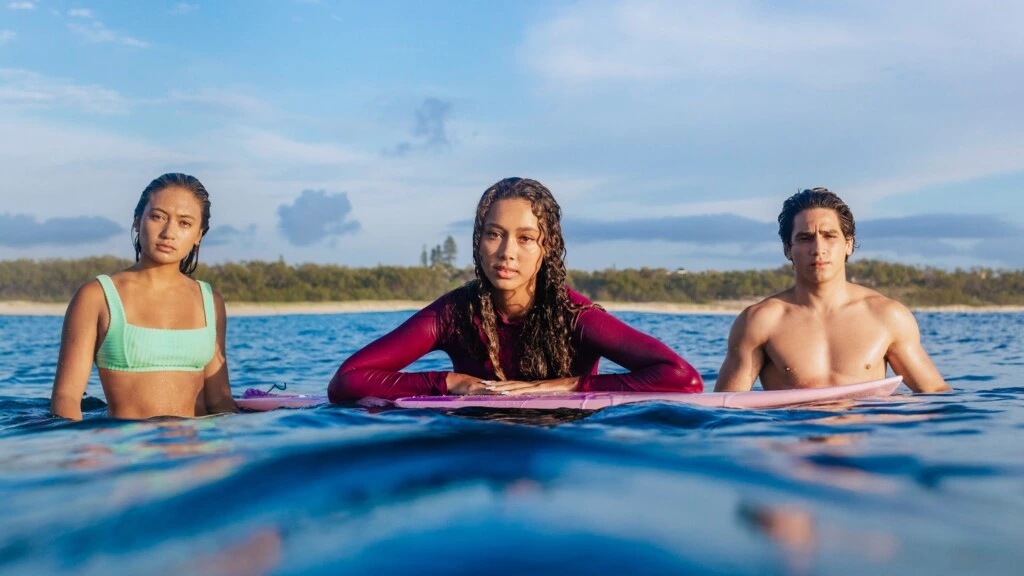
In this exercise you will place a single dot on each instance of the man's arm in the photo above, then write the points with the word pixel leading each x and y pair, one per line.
pixel 745 356
pixel 906 356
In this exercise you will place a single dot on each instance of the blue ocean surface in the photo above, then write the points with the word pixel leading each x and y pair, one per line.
pixel 904 485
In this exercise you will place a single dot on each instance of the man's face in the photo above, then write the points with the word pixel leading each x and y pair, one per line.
pixel 819 248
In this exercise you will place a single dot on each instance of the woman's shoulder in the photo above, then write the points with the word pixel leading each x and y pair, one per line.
pixel 91 291
pixel 215 295
pixel 458 297
pixel 206 286
pixel 90 298
pixel 120 280
pixel 578 299
pixel 447 314
pixel 585 312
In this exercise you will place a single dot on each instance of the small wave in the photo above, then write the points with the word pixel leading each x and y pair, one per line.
pixel 927 475
pixel 971 378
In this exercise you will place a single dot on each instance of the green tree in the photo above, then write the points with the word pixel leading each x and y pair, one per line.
pixel 277 281
pixel 448 252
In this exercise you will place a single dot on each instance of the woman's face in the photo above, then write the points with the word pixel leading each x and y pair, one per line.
pixel 510 246
pixel 170 226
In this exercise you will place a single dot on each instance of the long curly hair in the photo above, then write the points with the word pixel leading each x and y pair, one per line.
pixel 546 345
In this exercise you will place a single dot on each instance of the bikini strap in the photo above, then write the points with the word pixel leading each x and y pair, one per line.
pixel 113 302
pixel 208 306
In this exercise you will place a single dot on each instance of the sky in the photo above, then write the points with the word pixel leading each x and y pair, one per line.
pixel 670 132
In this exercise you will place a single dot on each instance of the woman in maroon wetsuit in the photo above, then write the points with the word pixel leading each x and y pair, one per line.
pixel 517 328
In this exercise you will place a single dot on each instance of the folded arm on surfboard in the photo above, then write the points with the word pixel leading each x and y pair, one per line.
pixel 376 369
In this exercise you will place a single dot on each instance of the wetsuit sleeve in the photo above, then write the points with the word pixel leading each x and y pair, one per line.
pixel 375 370
pixel 653 366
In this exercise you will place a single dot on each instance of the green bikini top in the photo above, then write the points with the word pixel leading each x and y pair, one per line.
pixel 128 348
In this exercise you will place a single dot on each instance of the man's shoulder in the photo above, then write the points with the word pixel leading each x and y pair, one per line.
pixel 771 308
pixel 880 305
pixel 895 316
pixel 762 318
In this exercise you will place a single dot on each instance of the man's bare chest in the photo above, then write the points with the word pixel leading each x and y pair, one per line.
pixel 825 352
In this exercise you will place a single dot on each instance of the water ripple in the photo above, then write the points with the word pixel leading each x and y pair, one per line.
pixel 910 484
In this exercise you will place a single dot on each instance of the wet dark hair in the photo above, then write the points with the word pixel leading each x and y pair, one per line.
pixel 547 329
pixel 175 180
pixel 815 198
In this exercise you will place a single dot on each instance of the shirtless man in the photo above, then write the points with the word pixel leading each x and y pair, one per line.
pixel 824 331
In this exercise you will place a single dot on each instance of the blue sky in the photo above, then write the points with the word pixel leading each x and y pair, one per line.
pixel 669 131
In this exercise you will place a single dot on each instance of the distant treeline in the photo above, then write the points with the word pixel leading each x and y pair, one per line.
pixel 56 280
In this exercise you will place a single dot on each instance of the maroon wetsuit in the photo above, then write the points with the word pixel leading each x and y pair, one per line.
pixel 375 370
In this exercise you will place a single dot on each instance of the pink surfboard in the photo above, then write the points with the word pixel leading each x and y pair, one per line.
pixel 598 400
pixel 261 401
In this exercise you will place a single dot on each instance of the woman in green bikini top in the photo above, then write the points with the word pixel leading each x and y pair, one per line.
pixel 156 335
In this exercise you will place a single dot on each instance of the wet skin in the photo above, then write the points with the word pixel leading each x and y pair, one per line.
pixel 824 331
pixel 143 394
pixel 154 294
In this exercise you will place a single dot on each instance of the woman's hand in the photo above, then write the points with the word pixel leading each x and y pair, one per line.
pixel 464 385
pixel 536 387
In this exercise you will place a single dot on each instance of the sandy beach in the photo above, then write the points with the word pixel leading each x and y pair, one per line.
pixel 25 308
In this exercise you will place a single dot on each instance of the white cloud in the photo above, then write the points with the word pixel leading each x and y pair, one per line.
pixel 219 101
pixel 272 147
pixel 98 33
pixel 59 170
pixel 761 208
pixel 182 8
pixel 744 102
pixel 20 89
pixel 315 216
pixel 6 36
pixel 972 157
pixel 642 109
pixel 21 5
pixel 661 40
pixel 81 13
pixel 658 40
pixel 43 147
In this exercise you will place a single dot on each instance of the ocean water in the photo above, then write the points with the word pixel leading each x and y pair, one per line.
pixel 909 484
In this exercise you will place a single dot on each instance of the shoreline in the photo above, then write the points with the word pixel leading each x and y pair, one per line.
pixel 243 309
